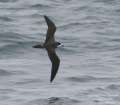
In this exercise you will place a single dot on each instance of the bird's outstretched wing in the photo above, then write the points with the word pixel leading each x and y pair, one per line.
pixel 55 62
pixel 51 31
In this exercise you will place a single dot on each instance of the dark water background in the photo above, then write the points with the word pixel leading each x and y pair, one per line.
pixel 89 73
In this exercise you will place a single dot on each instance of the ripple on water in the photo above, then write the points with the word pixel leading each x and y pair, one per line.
pixel 28 81
pixel 54 101
pixel 10 73
pixel 81 79
pixel 4 1
pixel 5 18
pixel 87 78
pixel 40 6
pixel 113 87
pixel 4 73
pixel 106 1
pixel 70 25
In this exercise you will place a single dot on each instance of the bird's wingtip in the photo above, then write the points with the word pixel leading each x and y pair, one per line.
pixel 49 21
pixel 45 16
pixel 51 80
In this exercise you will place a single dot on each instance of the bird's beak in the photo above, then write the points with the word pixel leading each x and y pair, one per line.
pixel 36 46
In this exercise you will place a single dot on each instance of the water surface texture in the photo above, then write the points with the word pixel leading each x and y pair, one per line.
pixel 89 73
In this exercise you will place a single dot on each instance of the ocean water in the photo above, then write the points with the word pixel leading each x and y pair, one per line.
pixel 89 72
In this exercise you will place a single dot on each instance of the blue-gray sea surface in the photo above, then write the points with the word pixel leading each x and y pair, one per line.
pixel 89 72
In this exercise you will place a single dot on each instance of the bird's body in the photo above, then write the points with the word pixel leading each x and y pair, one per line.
pixel 50 45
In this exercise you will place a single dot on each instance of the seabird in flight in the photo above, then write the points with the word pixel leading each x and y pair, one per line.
pixel 50 44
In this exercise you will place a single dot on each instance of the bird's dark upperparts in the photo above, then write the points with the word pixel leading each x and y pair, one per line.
pixel 50 44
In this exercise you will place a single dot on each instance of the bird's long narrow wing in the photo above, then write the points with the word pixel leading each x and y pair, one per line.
pixel 51 31
pixel 55 62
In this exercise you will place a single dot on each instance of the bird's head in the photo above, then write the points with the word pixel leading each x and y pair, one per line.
pixel 58 43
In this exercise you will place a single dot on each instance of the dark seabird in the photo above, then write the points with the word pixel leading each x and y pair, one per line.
pixel 50 45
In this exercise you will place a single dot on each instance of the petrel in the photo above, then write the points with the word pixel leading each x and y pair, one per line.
pixel 50 44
